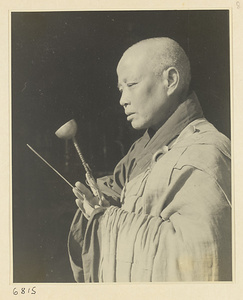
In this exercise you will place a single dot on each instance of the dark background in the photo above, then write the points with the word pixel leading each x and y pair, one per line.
pixel 64 67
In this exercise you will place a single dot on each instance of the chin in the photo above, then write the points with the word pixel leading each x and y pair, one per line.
pixel 139 126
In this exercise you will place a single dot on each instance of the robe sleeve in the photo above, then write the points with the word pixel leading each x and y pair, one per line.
pixel 190 241
pixel 83 246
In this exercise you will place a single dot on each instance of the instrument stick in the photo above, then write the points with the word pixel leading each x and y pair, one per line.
pixel 50 165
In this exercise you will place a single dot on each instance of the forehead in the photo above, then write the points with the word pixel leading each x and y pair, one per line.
pixel 134 62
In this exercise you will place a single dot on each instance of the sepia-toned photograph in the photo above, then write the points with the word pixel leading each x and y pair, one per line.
pixel 121 152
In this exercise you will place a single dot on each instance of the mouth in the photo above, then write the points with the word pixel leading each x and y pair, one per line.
pixel 130 116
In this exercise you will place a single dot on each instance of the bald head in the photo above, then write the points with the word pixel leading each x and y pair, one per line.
pixel 162 53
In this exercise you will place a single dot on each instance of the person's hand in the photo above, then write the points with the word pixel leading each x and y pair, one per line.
pixel 86 201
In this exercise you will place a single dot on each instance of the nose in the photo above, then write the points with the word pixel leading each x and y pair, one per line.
pixel 124 100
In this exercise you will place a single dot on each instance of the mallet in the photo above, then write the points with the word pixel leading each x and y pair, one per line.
pixel 68 131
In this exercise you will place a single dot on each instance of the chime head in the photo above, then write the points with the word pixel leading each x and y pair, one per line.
pixel 68 130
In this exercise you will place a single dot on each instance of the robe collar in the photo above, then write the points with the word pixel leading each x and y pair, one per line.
pixel 186 112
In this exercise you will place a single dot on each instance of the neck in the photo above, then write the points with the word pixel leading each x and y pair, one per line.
pixel 174 104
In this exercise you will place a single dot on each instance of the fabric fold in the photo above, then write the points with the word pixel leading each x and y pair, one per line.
pixel 171 215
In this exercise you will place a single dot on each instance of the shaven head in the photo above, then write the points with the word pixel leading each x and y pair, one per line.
pixel 162 53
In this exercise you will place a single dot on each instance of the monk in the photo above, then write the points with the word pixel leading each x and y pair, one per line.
pixel 167 209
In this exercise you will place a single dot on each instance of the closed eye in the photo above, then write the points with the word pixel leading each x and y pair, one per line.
pixel 129 84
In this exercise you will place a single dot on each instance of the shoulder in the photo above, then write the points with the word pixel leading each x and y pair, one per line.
pixel 201 138
pixel 206 149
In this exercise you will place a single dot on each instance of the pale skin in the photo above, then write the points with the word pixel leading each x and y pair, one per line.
pixel 148 101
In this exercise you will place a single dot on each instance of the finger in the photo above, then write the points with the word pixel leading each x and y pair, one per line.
pixel 81 207
pixel 87 207
pixel 84 190
pixel 78 194
pixel 86 193
pixel 79 203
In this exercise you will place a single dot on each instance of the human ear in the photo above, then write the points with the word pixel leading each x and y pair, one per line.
pixel 172 78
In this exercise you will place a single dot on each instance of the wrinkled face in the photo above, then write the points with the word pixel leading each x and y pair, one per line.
pixel 143 94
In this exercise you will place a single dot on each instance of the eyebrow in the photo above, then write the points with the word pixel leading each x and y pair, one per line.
pixel 126 80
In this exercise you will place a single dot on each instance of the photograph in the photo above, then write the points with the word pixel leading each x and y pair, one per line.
pixel 121 152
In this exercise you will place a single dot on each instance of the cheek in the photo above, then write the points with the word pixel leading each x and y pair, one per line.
pixel 149 91
pixel 153 94
pixel 145 99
